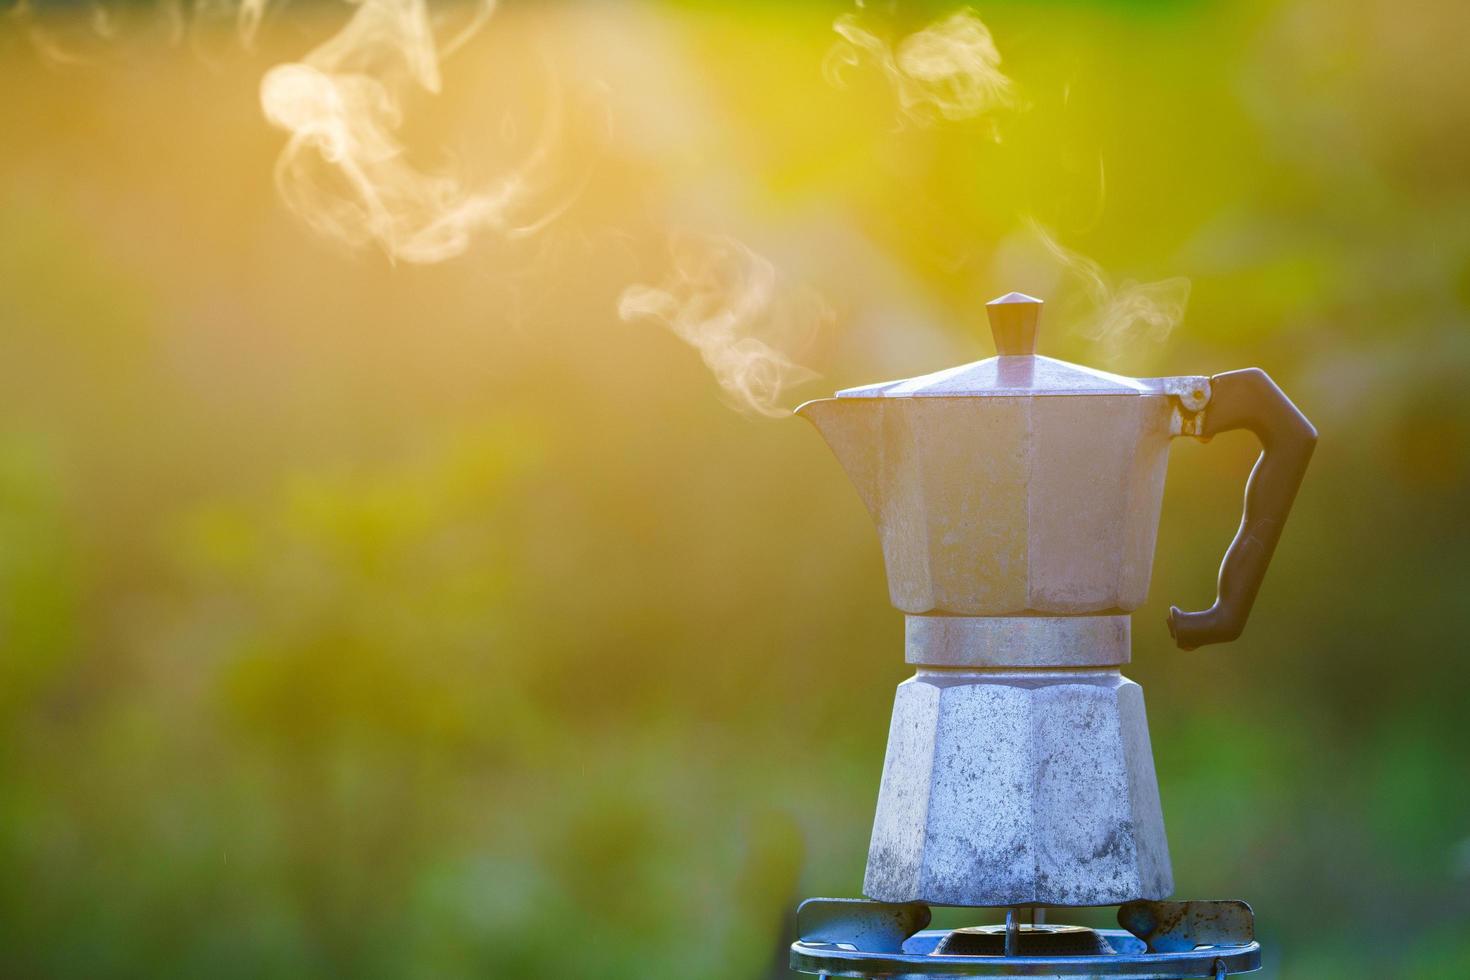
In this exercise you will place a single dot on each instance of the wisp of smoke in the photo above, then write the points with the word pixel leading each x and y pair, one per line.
pixel 1119 314
pixel 62 38
pixel 344 169
pixel 251 13
pixel 949 70
pixel 728 303
pixel 69 40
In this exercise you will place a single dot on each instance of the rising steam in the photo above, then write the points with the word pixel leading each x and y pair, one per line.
pixel 729 304
pixel 949 70
pixel 70 40
pixel 344 169
pixel 1122 313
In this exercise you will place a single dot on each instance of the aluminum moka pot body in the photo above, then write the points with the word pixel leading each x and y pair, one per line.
pixel 1017 500
pixel 1027 505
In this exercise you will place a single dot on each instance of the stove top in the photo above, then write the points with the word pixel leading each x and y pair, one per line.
pixel 1159 941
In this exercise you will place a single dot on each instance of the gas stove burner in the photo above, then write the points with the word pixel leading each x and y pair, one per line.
pixel 1161 941
pixel 1031 940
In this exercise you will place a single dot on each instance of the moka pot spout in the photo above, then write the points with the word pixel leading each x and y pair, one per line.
pixel 851 429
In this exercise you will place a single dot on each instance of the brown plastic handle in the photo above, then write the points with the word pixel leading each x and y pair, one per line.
pixel 1249 399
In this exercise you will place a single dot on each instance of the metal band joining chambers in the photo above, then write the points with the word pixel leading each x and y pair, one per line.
pixel 1017 641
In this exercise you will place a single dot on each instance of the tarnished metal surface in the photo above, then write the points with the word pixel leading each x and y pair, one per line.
pixel 1191 395
pixel 1017 641
pixel 877 927
pixel 1010 377
pixel 1193 391
pixel 1017 787
pixel 1035 505
pixel 1015 319
pixel 1016 485
pixel 1131 961
pixel 1174 926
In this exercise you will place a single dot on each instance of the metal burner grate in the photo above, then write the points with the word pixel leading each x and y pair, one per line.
pixel 1161 941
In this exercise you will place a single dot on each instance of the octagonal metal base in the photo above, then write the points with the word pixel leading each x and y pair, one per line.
pixel 1018 787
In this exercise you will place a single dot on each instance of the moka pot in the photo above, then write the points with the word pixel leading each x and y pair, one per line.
pixel 1017 501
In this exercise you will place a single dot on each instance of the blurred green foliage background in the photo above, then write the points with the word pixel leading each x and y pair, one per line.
pixel 373 620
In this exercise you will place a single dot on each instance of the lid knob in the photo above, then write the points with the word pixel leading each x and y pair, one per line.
pixel 1013 319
